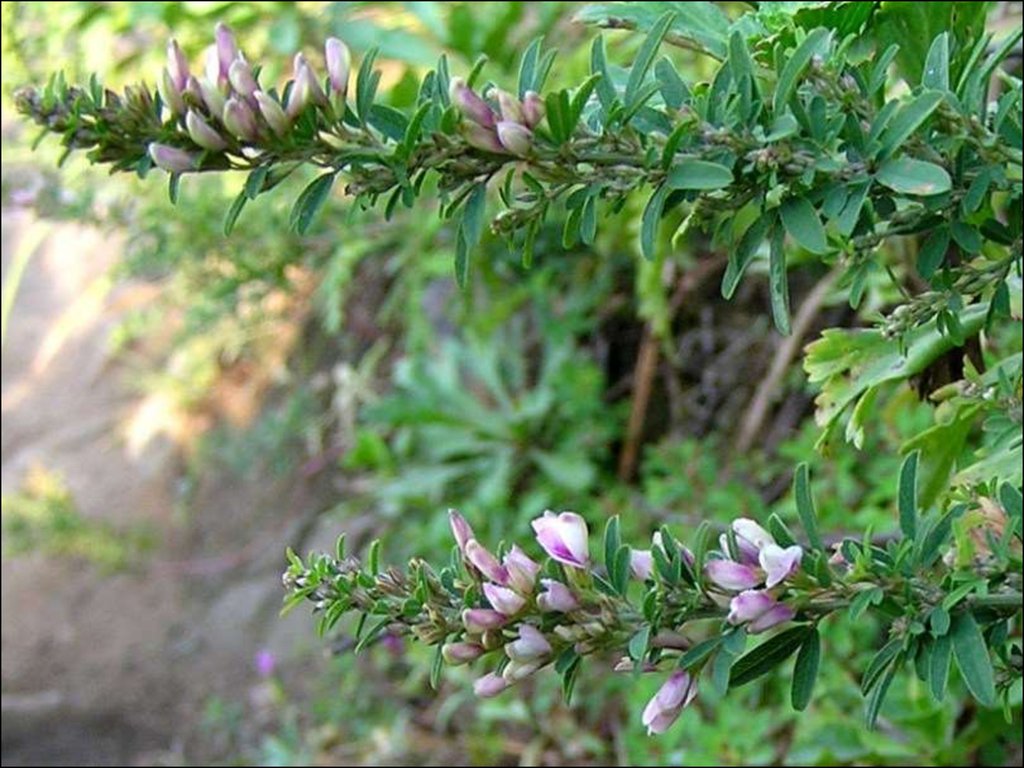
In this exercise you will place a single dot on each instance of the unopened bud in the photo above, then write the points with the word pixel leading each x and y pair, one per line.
pixel 272 113
pixel 202 134
pixel 174 160
pixel 240 120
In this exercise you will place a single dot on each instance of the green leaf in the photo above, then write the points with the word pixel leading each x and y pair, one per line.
pixel 907 119
pixel 638 644
pixel 236 208
pixel 366 85
pixel 940 620
pixel 933 252
pixel 373 558
pixel 621 571
pixel 778 284
pixel 698 174
pixel 942 649
pixel 255 181
pixel 173 186
pixel 612 542
pixel 702 24
pixel 860 603
pixel 389 121
pixel 805 672
pixel 795 66
pixel 805 505
pixel 436 665
pixel 310 201
pixel 879 663
pixel 744 252
pixel 878 696
pixel 972 659
pixel 907 497
pixel 650 220
pixel 645 57
pixel 768 655
pixel 699 652
pixel 1012 502
pixel 802 223
pixel 936 64
pixel 914 177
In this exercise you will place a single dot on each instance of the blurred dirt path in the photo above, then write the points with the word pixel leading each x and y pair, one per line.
pixel 101 669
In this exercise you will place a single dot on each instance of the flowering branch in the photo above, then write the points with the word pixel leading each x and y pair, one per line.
pixel 689 610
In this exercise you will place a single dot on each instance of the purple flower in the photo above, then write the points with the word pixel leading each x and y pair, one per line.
pixel 530 646
pixel 461 529
pixel 504 600
pixel 734 577
pixel 202 134
pixel 780 613
pixel 226 50
pixel 749 605
pixel 522 570
pixel 509 106
pixel 469 104
pixel 563 537
pixel 779 563
pixel 556 597
pixel 264 661
pixel 209 93
pixel 339 62
pixel 240 119
pixel 177 65
pixel 516 138
pixel 170 93
pixel 490 685
pixel 670 700
pixel 461 653
pixel 533 109
pixel 517 670
pixel 750 539
pixel 273 114
pixel 641 564
pixel 482 559
pixel 480 620
pixel 306 89
pixel 172 159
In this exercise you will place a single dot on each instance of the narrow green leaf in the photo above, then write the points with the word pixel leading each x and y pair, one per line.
pixel 778 282
pixel 366 85
pixel 638 644
pixel 645 57
pixel 972 659
pixel 940 620
pixel 612 542
pixel 936 64
pixel 847 220
pixel 744 252
pixel 622 570
pixel 650 220
pixel 232 214
pixel 436 665
pixel 914 177
pixel 796 65
pixel 255 181
pixel 805 672
pixel 698 174
pixel 173 186
pixel 699 652
pixel 805 505
pixel 907 497
pixel 933 252
pixel 768 655
pixel 309 202
pixel 878 696
pixel 373 558
pixel 942 650
pixel 802 223
pixel 860 603
pixel 910 116
pixel 879 663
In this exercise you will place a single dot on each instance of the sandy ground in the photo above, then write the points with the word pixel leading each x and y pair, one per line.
pixel 101 669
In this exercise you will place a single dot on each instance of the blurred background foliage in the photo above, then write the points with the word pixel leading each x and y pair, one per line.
pixel 348 354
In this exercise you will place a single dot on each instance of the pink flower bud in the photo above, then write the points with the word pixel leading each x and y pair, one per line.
pixel 480 620
pixel 519 670
pixel 509 106
pixel 482 559
pixel 503 599
pixel 482 138
pixel 522 571
pixel 202 134
pixel 733 576
pixel 212 96
pixel 227 51
pixel 461 529
pixel 177 65
pixel 749 605
pixel 780 613
pixel 516 138
pixel 778 563
pixel 241 78
pixel 339 63
pixel 670 700
pixel 272 113
pixel 305 91
pixel 461 653
pixel 264 662
pixel 556 597
pixel 172 159
pixel 490 685
pixel 641 564
pixel 563 537
pixel 751 534
pixel 746 552
pixel 533 109
pixel 530 646
pixel 171 94
pixel 240 120
pixel 471 106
